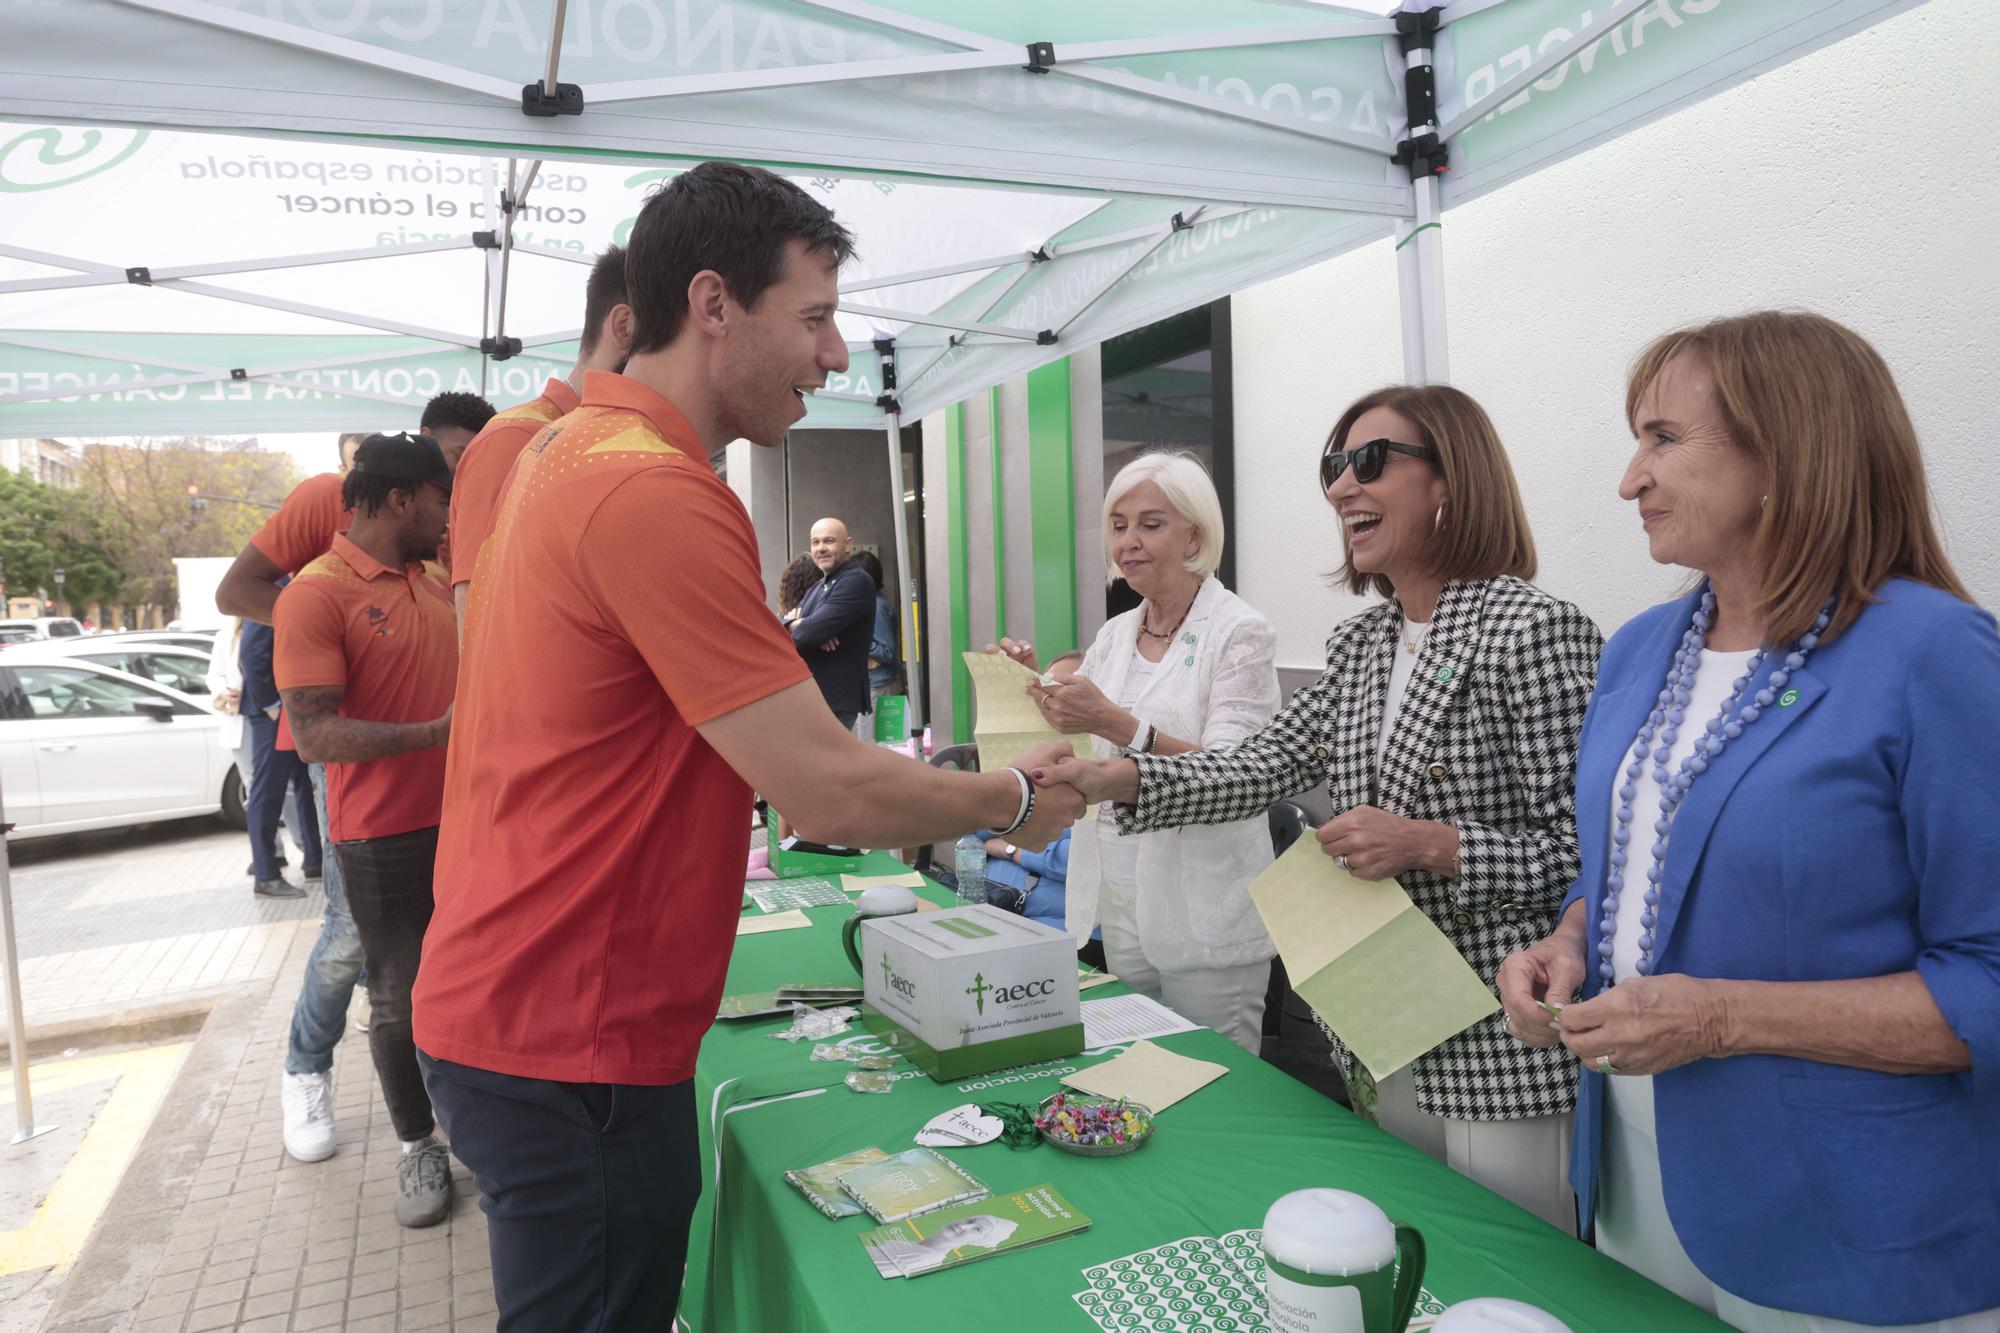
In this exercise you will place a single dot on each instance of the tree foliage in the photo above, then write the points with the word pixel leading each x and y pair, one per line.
pixel 140 494
pixel 45 528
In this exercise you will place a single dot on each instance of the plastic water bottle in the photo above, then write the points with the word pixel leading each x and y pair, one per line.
pixel 970 866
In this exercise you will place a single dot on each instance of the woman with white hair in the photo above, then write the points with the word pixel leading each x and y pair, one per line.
pixel 1193 667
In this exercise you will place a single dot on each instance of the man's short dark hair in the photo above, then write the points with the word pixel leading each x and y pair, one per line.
pixel 723 216
pixel 871 565
pixel 467 411
pixel 604 292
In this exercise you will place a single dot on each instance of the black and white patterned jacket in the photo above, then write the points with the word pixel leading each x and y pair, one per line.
pixel 1485 741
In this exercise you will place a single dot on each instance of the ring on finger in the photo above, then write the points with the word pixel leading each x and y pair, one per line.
pixel 1341 861
pixel 1604 1065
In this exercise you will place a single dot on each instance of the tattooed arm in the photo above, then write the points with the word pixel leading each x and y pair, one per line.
pixel 325 737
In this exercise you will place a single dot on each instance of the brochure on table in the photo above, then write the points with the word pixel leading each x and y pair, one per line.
pixel 972 1231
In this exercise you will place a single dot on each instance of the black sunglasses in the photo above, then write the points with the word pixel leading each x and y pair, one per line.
pixel 1368 460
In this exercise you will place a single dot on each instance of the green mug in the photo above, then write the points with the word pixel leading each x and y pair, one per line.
pixel 882 900
pixel 1335 1263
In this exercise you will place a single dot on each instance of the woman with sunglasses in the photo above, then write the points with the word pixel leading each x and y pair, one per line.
pixel 1445 728
pixel 1780 967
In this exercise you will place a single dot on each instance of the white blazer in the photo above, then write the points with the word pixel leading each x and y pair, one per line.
pixel 226 673
pixel 1217 684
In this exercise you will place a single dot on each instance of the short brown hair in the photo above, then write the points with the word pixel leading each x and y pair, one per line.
pixel 1815 405
pixel 1484 531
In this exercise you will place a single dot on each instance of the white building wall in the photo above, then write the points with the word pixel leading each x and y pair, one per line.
pixel 1851 183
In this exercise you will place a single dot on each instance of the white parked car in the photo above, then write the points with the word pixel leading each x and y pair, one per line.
pixel 46 627
pixel 178 668
pixel 84 746
pixel 179 638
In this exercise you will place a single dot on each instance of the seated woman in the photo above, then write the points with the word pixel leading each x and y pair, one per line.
pixel 1445 728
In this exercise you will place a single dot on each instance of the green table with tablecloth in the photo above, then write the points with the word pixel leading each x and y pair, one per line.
pixel 763 1260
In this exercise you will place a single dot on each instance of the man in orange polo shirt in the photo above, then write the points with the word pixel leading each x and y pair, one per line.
pixel 483 469
pixel 366 661
pixel 300 532
pixel 591 859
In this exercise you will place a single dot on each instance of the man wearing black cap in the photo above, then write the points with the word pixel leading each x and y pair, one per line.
pixel 367 658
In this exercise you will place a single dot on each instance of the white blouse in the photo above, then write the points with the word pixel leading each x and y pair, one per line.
pixel 1217 684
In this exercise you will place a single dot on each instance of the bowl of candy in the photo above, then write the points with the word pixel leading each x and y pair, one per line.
pixel 1092 1126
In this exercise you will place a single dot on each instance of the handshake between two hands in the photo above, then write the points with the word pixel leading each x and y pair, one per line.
pixel 1058 803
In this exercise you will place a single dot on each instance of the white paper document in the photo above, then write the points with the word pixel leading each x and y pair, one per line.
pixel 1128 1018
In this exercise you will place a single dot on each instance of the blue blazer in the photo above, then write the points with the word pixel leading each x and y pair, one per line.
pixel 253 656
pixel 1851 832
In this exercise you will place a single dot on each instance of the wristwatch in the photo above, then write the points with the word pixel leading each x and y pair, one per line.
pixel 1011 852
pixel 1142 739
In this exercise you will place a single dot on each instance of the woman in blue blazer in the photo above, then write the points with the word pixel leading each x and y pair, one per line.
pixel 1780 968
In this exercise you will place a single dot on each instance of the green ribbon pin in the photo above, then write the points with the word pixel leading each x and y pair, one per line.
pixel 1445 673
pixel 1788 698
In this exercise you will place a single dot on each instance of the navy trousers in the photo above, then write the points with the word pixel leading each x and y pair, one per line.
pixel 273 774
pixel 587 1189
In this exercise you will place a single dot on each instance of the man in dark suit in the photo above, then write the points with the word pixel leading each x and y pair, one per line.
pixel 831 626
pixel 273 773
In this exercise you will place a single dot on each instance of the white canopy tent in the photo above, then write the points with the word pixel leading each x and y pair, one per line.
pixel 1024 179
pixel 1156 153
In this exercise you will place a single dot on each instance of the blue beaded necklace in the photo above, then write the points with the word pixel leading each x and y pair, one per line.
pixel 1663 725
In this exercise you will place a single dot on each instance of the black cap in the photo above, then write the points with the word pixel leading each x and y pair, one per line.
pixel 403 457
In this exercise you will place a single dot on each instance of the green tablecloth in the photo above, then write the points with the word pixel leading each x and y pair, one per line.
pixel 762 1260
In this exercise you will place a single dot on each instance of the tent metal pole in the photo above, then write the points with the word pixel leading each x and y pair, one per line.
pixel 1420 237
pixel 17 1021
pixel 555 49
pixel 316 311
pixel 906 582
pixel 340 48
pixel 1160 238
pixel 940 322
pixel 1547 61
pixel 1420 281
pixel 493 220
pixel 117 277
pixel 980 58
pixel 514 202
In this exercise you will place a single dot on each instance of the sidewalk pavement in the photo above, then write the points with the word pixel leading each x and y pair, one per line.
pixel 133 917
pixel 213 1225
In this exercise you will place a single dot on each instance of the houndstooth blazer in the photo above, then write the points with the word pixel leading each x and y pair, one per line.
pixel 1485 741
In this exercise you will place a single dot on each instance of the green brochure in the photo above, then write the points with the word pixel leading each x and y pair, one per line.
pixel 972 1231
pixel 914 1181
pixel 821 1184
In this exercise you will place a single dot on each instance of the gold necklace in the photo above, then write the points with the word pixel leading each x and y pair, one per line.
pixel 1412 646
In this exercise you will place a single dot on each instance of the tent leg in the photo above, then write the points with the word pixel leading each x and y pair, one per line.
pixel 1420 277
pixel 906 578
pixel 17 1023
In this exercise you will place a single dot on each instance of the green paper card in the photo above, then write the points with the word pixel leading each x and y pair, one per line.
pixel 914 1181
pixel 970 1232
pixel 1384 978
pixel 821 1184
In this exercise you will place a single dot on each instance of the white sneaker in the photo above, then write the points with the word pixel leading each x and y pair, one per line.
pixel 308 1102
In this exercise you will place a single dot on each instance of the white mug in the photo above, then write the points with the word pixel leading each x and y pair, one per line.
pixel 1331 1265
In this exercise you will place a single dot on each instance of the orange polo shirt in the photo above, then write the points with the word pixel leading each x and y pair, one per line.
pixel 483 469
pixel 590 864
pixel 305 525
pixel 388 639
